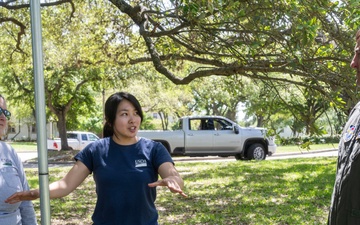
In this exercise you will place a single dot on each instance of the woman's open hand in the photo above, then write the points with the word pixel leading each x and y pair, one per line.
pixel 23 196
pixel 171 183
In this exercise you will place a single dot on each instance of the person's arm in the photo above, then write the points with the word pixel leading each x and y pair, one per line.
pixel 57 189
pixel 170 178
pixel 70 182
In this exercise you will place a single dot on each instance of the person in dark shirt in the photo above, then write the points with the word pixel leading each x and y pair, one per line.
pixel 345 201
pixel 125 168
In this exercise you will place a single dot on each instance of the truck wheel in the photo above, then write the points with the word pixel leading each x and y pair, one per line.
pixel 256 151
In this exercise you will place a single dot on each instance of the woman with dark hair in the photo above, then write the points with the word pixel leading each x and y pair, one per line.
pixel 125 168
pixel 111 107
pixel 12 178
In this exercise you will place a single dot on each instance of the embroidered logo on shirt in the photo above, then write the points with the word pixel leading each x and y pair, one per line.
pixel 140 163
pixel 349 133
pixel 6 162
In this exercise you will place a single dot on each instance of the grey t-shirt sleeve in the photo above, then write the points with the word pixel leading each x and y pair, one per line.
pixel 26 207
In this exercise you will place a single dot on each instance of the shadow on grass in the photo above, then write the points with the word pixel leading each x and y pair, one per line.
pixel 294 191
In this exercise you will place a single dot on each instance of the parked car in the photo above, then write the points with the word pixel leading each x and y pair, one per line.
pixel 77 140
pixel 214 135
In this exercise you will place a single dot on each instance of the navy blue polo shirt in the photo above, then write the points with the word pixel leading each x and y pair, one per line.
pixel 122 174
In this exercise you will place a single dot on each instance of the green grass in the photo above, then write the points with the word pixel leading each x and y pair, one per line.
pixel 296 148
pixel 293 191
pixel 23 146
pixel 31 146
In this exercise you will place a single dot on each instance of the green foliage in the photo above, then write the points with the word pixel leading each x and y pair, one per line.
pixel 287 60
pixel 217 96
pixel 75 45
pixel 87 117
pixel 158 95
pixel 147 123
pixel 306 141
pixel 305 145
pixel 293 191
pixel 295 148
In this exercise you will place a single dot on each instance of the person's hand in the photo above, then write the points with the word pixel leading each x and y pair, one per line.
pixel 23 196
pixel 171 183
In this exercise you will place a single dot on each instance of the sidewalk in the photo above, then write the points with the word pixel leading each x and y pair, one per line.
pixel 305 152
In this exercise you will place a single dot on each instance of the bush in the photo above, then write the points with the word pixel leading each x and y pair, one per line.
pixel 313 140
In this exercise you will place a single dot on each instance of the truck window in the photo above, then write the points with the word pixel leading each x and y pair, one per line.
pixel 84 137
pixel 179 125
pixel 194 124
pixel 207 124
pixel 221 124
pixel 202 124
pixel 210 124
pixel 71 136
pixel 92 137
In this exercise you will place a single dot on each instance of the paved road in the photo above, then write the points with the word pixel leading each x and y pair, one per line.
pixel 319 153
pixel 305 154
pixel 27 155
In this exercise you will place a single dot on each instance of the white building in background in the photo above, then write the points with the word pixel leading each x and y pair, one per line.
pixel 27 132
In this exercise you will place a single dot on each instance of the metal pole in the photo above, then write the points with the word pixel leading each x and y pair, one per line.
pixel 40 111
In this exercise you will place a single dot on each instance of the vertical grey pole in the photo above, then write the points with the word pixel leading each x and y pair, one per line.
pixel 40 111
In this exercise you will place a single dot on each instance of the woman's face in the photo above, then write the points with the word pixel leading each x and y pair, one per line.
pixel 3 120
pixel 127 123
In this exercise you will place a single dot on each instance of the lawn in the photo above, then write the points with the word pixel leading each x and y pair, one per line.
pixel 293 191
pixel 31 146
pixel 23 146
pixel 297 148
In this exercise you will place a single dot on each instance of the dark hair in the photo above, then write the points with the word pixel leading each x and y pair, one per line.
pixel 111 105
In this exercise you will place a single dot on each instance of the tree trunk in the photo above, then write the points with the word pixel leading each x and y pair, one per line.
pixel 61 124
pixel 260 121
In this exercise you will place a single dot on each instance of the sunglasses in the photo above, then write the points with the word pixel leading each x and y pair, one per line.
pixel 6 113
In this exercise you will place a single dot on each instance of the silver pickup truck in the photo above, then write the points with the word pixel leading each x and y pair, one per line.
pixel 214 135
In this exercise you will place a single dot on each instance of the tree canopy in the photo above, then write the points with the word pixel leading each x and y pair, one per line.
pixel 276 43
pixel 304 40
